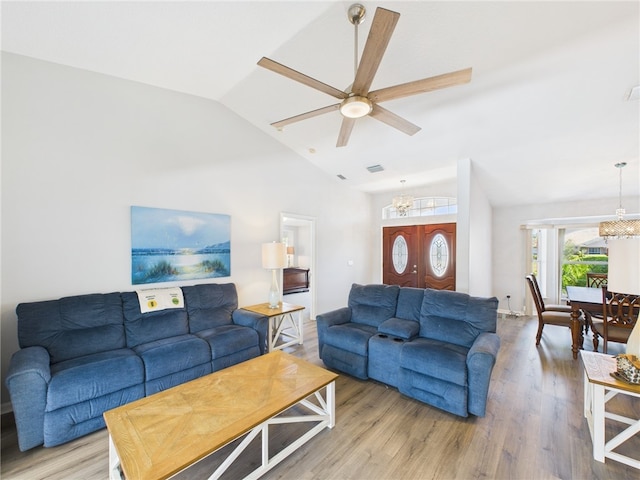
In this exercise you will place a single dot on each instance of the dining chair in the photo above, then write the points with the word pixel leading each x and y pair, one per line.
pixel 596 280
pixel 546 316
pixel 547 307
pixel 619 316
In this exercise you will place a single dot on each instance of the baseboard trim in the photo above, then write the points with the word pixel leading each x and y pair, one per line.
pixel 7 420
pixel 510 313
pixel 5 408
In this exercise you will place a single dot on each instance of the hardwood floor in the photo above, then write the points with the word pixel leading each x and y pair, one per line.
pixel 534 428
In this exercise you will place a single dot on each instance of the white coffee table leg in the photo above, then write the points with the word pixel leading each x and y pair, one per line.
pixel 331 403
pixel 115 472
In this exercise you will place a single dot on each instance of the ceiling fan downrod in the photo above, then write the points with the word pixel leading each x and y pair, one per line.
pixel 356 14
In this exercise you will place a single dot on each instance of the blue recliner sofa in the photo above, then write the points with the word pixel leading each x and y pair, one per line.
pixel 83 355
pixel 436 346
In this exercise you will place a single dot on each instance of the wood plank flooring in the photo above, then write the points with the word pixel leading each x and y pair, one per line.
pixel 534 428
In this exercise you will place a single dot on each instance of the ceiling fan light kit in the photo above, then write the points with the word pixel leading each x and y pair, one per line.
pixel 358 101
pixel 356 106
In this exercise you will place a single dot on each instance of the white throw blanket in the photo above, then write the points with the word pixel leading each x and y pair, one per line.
pixel 155 299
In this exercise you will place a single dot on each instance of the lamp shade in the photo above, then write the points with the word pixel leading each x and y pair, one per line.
pixel 624 266
pixel 291 250
pixel 274 255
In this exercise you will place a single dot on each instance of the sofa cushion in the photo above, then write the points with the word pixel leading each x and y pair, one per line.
pixel 410 303
pixel 210 305
pixel 228 339
pixel 345 361
pixel 456 317
pixel 352 337
pixel 72 326
pixel 92 376
pixel 441 360
pixel 170 355
pixel 372 304
pixel 78 419
pixel 142 328
pixel 399 328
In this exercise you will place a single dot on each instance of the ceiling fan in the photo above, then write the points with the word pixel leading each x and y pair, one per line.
pixel 357 101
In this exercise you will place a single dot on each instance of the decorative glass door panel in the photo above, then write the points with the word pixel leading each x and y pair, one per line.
pixel 439 255
pixel 399 254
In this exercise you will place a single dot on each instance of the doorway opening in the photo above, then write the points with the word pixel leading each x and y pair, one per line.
pixel 298 233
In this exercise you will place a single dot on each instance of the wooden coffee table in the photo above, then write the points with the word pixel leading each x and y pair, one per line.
pixel 161 435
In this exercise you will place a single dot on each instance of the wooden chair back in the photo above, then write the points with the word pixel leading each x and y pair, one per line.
pixel 596 280
pixel 620 313
pixel 535 293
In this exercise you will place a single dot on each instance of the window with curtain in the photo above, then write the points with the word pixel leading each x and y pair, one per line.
pixel 583 252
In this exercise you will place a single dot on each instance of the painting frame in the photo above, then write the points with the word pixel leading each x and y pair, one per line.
pixel 177 245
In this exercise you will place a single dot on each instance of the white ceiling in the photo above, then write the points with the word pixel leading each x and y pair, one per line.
pixel 544 118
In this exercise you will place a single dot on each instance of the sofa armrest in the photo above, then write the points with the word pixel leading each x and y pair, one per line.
pixel 480 361
pixel 27 381
pixel 335 317
pixel 258 322
pixel 399 328
pixel 329 319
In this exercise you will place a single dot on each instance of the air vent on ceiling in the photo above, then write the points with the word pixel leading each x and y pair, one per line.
pixel 375 168
pixel 341 177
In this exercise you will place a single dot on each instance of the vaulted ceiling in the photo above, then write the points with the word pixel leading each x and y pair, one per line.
pixel 544 119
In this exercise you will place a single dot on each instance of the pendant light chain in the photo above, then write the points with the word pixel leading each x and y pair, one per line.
pixel 621 211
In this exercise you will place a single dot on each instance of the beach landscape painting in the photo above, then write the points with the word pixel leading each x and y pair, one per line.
pixel 173 245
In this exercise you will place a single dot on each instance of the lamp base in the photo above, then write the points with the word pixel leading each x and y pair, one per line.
pixel 633 344
pixel 274 293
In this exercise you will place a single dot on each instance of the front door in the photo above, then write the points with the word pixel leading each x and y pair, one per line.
pixel 420 256
pixel 439 256
pixel 400 256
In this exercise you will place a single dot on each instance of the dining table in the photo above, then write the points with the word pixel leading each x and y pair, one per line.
pixel 587 300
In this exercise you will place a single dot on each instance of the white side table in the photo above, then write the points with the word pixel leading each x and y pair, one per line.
pixel 282 324
pixel 599 388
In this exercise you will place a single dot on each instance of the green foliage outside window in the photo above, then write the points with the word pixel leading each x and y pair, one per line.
pixel 576 273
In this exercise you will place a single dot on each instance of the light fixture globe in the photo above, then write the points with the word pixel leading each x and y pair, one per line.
pixel 356 106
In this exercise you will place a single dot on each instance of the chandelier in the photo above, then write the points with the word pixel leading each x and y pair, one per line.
pixel 620 228
pixel 403 202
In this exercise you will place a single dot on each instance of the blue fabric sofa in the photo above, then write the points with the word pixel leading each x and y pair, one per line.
pixel 83 355
pixel 436 346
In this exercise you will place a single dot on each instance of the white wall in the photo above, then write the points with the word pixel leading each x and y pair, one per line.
pixel 473 235
pixel 80 148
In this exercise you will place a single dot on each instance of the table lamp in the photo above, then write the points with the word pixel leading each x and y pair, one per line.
pixel 274 258
pixel 624 277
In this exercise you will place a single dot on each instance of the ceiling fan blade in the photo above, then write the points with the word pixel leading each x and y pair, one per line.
pixel 301 77
pixel 345 131
pixel 384 22
pixel 421 86
pixel 394 120
pixel 304 116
